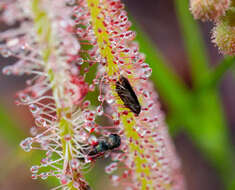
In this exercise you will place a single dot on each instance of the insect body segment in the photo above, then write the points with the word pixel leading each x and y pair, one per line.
pixel 101 147
pixel 113 141
pixel 127 95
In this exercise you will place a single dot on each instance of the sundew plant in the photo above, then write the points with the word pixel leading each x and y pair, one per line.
pixel 78 53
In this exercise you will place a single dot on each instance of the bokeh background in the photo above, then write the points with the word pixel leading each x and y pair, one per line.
pixel 166 29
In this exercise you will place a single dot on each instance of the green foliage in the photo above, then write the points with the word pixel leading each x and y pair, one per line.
pixel 9 131
pixel 199 110
pixel 194 45
pixel 209 129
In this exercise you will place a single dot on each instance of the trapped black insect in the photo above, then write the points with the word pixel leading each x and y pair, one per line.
pixel 127 95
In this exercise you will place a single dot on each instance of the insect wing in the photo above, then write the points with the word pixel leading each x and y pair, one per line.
pixel 127 95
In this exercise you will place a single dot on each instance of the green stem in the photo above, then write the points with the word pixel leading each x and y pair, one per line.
pixel 220 70
pixel 194 45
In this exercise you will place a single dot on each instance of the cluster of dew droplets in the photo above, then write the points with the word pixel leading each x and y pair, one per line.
pixel 84 31
pixel 89 53
pixel 20 42
pixel 149 125
pixel 47 136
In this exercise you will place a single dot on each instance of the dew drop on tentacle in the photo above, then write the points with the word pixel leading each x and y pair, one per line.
pixel 44 175
pixel 76 185
pixel 74 164
pixel 95 81
pixel 99 110
pixel 100 98
pixel 67 137
pixel 64 179
pixel 79 61
pixel 92 87
pixel 147 72
pixel 111 168
pixel 86 103
pixel 115 179
pixel 7 70
pixel 5 52
pixel 34 169
pixel 26 144
pixel 92 140
pixel 34 176
pixel 34 109
pixel 33 131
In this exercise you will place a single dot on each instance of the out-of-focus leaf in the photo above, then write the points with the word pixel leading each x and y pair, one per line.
pixel 194 45
pixel 207 127
pixel 218 72
pixel 8 128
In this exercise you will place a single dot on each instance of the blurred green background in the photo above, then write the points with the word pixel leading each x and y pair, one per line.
pixel 196 86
